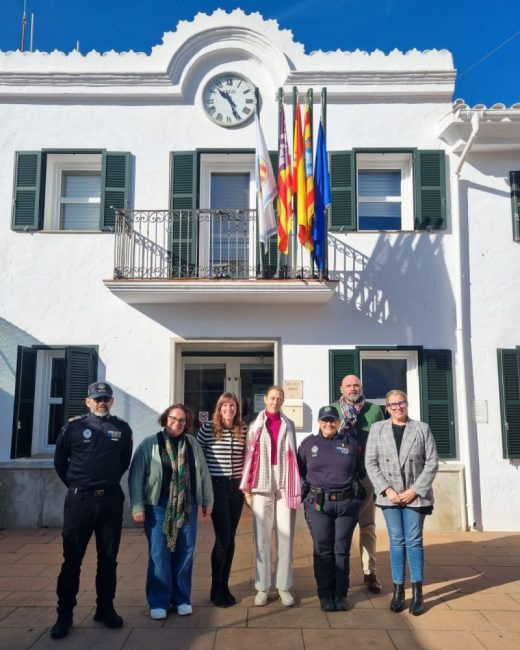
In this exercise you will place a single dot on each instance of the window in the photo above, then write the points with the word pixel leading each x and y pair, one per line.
pixel 394 190
pixel 514 178
pixel 68 190
pixel 509 381
pixel 425 375
pixel 51 385
pixel 384 191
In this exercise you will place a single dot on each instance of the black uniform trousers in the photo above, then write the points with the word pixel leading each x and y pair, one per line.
pixel 228 501
pixel 84 514
pixel 331 530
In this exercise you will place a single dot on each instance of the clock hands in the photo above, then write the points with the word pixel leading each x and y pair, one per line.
pixel 227 96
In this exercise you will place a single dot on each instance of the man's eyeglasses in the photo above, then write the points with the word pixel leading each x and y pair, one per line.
pixel 397 405
pixel 102 399
pixel 174 420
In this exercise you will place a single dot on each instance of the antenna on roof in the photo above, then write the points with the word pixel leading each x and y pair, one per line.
pixel 77 46
pixel 32 34
pixel 24 23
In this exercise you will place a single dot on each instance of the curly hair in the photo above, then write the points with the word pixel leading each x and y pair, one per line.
pixel 163 418
pixel 218 421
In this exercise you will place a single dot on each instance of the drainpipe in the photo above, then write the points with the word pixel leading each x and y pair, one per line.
pixel 463 361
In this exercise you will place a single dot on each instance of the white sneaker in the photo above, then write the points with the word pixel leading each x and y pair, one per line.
pixel 157 613
pixel 184 610
pixel 261 598
pixel 286 598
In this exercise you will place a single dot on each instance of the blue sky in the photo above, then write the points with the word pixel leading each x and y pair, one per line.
pixel 471 29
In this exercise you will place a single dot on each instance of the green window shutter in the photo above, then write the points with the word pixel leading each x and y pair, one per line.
pixel 437 399
pixel 270 258
pixel 26 196
pixel 115 186
pixel 515 203
pixel 80 371
pixel 341 363
pixel 21 441
pixel 430 190
pixel 183 196
pixel 509 382
pixel 343 213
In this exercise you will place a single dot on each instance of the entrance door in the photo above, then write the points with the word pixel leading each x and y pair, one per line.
pixel 205 378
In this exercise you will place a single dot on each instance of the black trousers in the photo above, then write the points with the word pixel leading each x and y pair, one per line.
pixel 332 529
pixel 84 514
pixel 227 508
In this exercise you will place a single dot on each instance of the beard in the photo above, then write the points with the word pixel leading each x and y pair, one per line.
pixel 355 398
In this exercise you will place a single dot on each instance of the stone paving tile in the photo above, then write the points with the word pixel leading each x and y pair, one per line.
pixel 170 639
pixel 432 640
pixel 213 617
pixel 24 583
pixel 503 621
pixel 31 598
pixel 20 639
pixel 448 620
pixel 84 638
pixel 478 601
pixel 368 619
pixel 5 611
pixel 321 639
pixel 31 617
pixel 278 616
pixel 500 640
pixel 19 570
pixel 250 639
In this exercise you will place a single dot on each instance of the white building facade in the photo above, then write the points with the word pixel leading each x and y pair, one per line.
pixel 128 217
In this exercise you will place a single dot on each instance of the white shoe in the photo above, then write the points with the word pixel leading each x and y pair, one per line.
pixel 286 598
pixel 261 598
pixel 184 610
pixel 157 613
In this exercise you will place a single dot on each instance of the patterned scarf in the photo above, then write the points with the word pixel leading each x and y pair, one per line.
pixel 350 414
pixel 179 501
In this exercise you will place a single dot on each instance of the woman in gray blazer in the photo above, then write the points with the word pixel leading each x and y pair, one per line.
pixel 401 461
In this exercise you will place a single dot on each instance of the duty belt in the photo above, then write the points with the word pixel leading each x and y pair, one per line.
pixel 93 493
pixel 336 496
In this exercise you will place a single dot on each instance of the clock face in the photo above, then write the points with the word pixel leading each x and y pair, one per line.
pixel 229 99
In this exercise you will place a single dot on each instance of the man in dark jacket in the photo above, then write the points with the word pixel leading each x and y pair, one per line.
pixel 92 453
pixel 358 415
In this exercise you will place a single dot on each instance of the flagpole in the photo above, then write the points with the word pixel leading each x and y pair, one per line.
pixel 294 232
pixel 259 247
pixel 326 245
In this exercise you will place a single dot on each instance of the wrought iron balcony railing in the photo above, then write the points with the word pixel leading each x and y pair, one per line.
pixel 205 244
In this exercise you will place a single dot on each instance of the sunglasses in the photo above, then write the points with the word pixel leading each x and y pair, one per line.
pixel 102 399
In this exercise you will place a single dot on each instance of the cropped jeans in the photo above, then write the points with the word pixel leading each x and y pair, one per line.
pixel 405 529
pixel 168 581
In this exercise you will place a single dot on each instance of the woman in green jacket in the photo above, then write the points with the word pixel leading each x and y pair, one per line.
pixel 168 480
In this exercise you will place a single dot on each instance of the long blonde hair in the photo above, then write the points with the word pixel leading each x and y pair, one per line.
pixel 218 421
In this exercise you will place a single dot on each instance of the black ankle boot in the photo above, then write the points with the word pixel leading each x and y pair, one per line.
pixel 229 596
pixel 218 596
pixel 417 604
pixel 60 629
pixel 397 602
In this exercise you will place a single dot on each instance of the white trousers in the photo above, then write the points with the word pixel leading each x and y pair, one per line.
pixel 270 513
pixel 367 530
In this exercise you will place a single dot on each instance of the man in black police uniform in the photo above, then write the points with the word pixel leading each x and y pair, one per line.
pixel 92 453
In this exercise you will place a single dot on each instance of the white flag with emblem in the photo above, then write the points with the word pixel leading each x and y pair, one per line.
pixel 265 188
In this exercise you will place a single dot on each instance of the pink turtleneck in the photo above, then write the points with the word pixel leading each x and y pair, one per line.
pixel 273 422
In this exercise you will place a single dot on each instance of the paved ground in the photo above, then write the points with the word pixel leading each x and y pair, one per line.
pixel 472 593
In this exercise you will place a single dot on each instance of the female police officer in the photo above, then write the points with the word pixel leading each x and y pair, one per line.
pixel 331 465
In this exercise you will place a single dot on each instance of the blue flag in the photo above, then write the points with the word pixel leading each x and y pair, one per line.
pixel 322 200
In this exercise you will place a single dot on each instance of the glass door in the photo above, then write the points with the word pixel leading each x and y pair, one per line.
pixel 206 378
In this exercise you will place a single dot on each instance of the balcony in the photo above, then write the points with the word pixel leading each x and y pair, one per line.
pixel 180 256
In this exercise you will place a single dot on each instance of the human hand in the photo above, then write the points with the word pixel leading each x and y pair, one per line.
pixel 392 495
pixel 407 496
pixel 138 517
pixel 206 511
pixel 249 499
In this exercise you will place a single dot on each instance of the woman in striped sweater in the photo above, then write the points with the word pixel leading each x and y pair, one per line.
pixel 223 443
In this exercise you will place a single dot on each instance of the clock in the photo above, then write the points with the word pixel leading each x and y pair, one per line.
pixel 229 99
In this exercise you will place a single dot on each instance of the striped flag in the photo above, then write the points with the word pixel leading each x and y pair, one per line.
pixel 323 200
pixel 284 188
pixel 309 181
pixel 265 188
pixel 299 185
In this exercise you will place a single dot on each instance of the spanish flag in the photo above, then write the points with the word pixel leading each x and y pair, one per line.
pixel 284 189
pixel 299 184
pixel 309 180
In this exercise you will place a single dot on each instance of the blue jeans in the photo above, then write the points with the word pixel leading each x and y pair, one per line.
pixel 405 529
pixel 168 580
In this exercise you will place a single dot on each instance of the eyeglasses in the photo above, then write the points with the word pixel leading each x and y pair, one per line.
pixel 179 420
pixel 397 405
pixel 102 399
pixel 336 422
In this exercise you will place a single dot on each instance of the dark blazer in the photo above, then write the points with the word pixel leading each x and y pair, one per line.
pixel 415 467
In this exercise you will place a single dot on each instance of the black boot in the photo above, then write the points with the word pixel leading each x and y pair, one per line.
pixel 327 604
pixel 107 615
pixel 218 596
pixel 397 602
pixel 417 604
pixel 229 596
pixel 340 603
pixel 61 628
